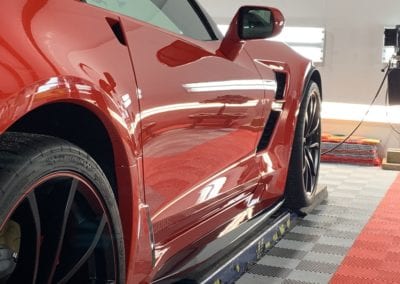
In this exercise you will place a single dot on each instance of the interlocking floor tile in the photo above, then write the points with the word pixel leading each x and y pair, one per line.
pixel 309 276
pixel 287 253
pixel 316 266
pixel 325 239
pixel 330 249
pixel 295 245
pixel 270 271
pixel 336 241
pixel 323 257
pixel 270 260
pixel 258 279
pixel 301 237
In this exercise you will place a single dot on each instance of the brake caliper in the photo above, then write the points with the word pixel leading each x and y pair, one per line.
pixel 10 239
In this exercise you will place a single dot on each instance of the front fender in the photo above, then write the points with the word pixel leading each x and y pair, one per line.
pixel 119 115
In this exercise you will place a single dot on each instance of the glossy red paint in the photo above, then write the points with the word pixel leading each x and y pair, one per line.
pixel 184 116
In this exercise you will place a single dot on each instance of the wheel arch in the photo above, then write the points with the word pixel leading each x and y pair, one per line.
pixel 75 124
pixel 98 136
pixel 315 76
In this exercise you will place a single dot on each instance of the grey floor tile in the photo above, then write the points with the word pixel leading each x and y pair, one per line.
pixel 323 257
pixel 307 230
pixel 287 253
pixel 316 266
pixel 295 245
pixel 336 241
pixel 308 276
pixel 330 249
pixel 321 218
pixel 301 237
pixel 271 260
pixel 347 227
pixel 257 279
pixel 341 234
pixel 270 271
pixel 289 281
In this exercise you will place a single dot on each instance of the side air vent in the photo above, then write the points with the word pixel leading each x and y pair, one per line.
pixel 268 130
pixel 275 114
pixel 281 84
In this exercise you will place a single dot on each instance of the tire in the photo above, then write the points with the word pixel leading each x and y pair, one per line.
pixel 68 228
pixel 301 184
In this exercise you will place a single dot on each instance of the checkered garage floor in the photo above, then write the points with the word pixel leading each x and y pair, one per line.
pixel 312 251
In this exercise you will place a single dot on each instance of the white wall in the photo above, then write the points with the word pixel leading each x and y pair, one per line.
pixel 354 36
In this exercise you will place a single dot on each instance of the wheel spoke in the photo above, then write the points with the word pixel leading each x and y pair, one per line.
pixel 314 146
pixel 314 122
pixel 36 219
pixel 310 114
pixel 306 123
pixel 88 253
pixel 310 161
pixel 315 128
pixel 71 196
pixel 306 173
pixel 311 177
pixel 314 107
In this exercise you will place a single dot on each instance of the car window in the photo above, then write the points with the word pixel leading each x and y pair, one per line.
pixel 178 16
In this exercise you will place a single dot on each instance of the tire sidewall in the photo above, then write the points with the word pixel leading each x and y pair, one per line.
pixel 60 157
pixel 296 195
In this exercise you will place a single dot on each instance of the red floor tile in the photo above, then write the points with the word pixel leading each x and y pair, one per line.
pixel 375 255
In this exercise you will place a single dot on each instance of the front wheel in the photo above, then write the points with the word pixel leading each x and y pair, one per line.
pixel 58 215
pixel 304 163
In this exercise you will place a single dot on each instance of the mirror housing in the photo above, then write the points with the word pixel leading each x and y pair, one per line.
pixel 259 22
pixel 249 23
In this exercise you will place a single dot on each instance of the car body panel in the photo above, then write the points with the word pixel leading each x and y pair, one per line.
pixel 184 120
pixel 195 122
pixel 40 65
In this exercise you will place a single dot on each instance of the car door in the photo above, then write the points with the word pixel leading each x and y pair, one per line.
pixel 200 115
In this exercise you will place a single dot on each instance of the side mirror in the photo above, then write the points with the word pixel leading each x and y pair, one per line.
pixel 259 22
pixel 251 22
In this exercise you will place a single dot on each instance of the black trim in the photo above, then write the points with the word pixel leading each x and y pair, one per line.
pixel 281 85
pixel 268 130
pixel 201 261
pixel 205 19
pixel 115 25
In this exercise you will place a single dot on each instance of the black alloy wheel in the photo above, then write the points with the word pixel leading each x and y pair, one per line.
pixel 66 227
pixel 302 180
pixel 312 142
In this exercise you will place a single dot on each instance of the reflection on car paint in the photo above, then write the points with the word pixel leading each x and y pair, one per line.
pixel 233 85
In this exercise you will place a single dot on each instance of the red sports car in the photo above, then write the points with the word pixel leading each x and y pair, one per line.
pixel 133 134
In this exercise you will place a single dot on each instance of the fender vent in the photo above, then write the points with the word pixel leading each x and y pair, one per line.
pixel 281 84
pixel 268 130
pixel 274 115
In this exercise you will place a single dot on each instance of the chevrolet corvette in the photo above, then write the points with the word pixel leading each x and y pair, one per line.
pixel 133 134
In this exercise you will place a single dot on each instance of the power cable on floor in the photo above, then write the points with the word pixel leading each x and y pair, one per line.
pixel 365 115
